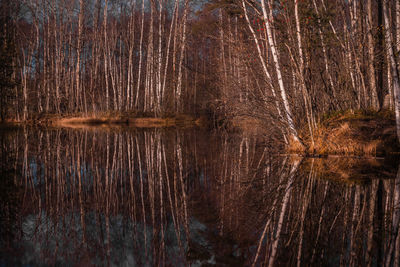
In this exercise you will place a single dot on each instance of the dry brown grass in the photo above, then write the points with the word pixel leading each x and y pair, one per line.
pixel 295 146
pixel 353 134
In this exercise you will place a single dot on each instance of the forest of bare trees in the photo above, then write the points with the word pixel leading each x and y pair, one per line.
pixel 285 62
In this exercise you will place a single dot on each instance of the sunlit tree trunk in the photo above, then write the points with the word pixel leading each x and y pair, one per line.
pixel 78 53
pixel 307 104
pixel 275 56
pixel 264 66
pixel 371 69
pixel 140 59
pixel 181 57
pixel 105 54
pixel 393 64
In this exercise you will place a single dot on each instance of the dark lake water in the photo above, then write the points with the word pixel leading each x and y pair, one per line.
pixel 189 197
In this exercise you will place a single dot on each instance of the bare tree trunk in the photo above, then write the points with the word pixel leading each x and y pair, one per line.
pixel 371 58
pixel 105 47
pixel 159 60
pixel 183 43
pixel 173 20
pixel 275 56
pixel 78 52
pixel 393 64
pixel 140 59
pixel 306 97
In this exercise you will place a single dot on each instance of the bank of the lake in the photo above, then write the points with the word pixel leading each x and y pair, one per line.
pixel 351 133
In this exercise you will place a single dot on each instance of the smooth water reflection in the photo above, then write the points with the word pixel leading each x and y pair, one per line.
pixel 189 197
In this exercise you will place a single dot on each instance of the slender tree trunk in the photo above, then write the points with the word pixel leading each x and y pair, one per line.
pixel 140 59
pixel 173 20
pixel 105 47
pixel 275 56
pixel 264 66
pixel 182 54
pixel 78 52
pixel 371 58
pixel 307 104
pixel 159 59
pixel 393 64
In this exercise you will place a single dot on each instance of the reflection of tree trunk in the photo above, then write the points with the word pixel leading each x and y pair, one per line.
pixel 394 236
pixel 179 155
pixel 81 203
pixel 397 250
pixel 345 220
pixel 142 196
pixel 131 175
pixel 372 201
pixel 353 233
pixel 273 208
pixel 173 210
pixel 306 200
pixel 380 222
pixel 285 201
pixel 320 222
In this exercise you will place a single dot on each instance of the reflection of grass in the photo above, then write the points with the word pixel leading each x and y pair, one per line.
pixel 354 133
pixel 350 170
pixel 80 120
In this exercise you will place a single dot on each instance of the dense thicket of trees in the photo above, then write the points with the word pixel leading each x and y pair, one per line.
pixel 292 61
pixel 286 62
pixel 89 56
pixel 7 56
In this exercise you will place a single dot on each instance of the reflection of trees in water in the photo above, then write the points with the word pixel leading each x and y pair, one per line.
pixel 166 198
pixel 115 196
pixel 277 214
pixel 10 204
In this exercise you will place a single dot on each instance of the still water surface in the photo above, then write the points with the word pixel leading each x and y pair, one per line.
pixel 157 197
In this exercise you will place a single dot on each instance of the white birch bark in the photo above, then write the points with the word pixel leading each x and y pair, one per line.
pixel 182 53
pixel 140 58
pixel 106 53
pixel 306 97
pixel 275 56
pixel 395 74
pixel 168 48
pixel 159 58
pixel 264 66
pixel 371 69
pixel 78 51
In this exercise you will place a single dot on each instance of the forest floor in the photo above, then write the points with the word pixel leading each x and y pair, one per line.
pixel 359 133
pixel 113 119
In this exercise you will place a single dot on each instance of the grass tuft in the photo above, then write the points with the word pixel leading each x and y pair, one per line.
pixel 353 133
